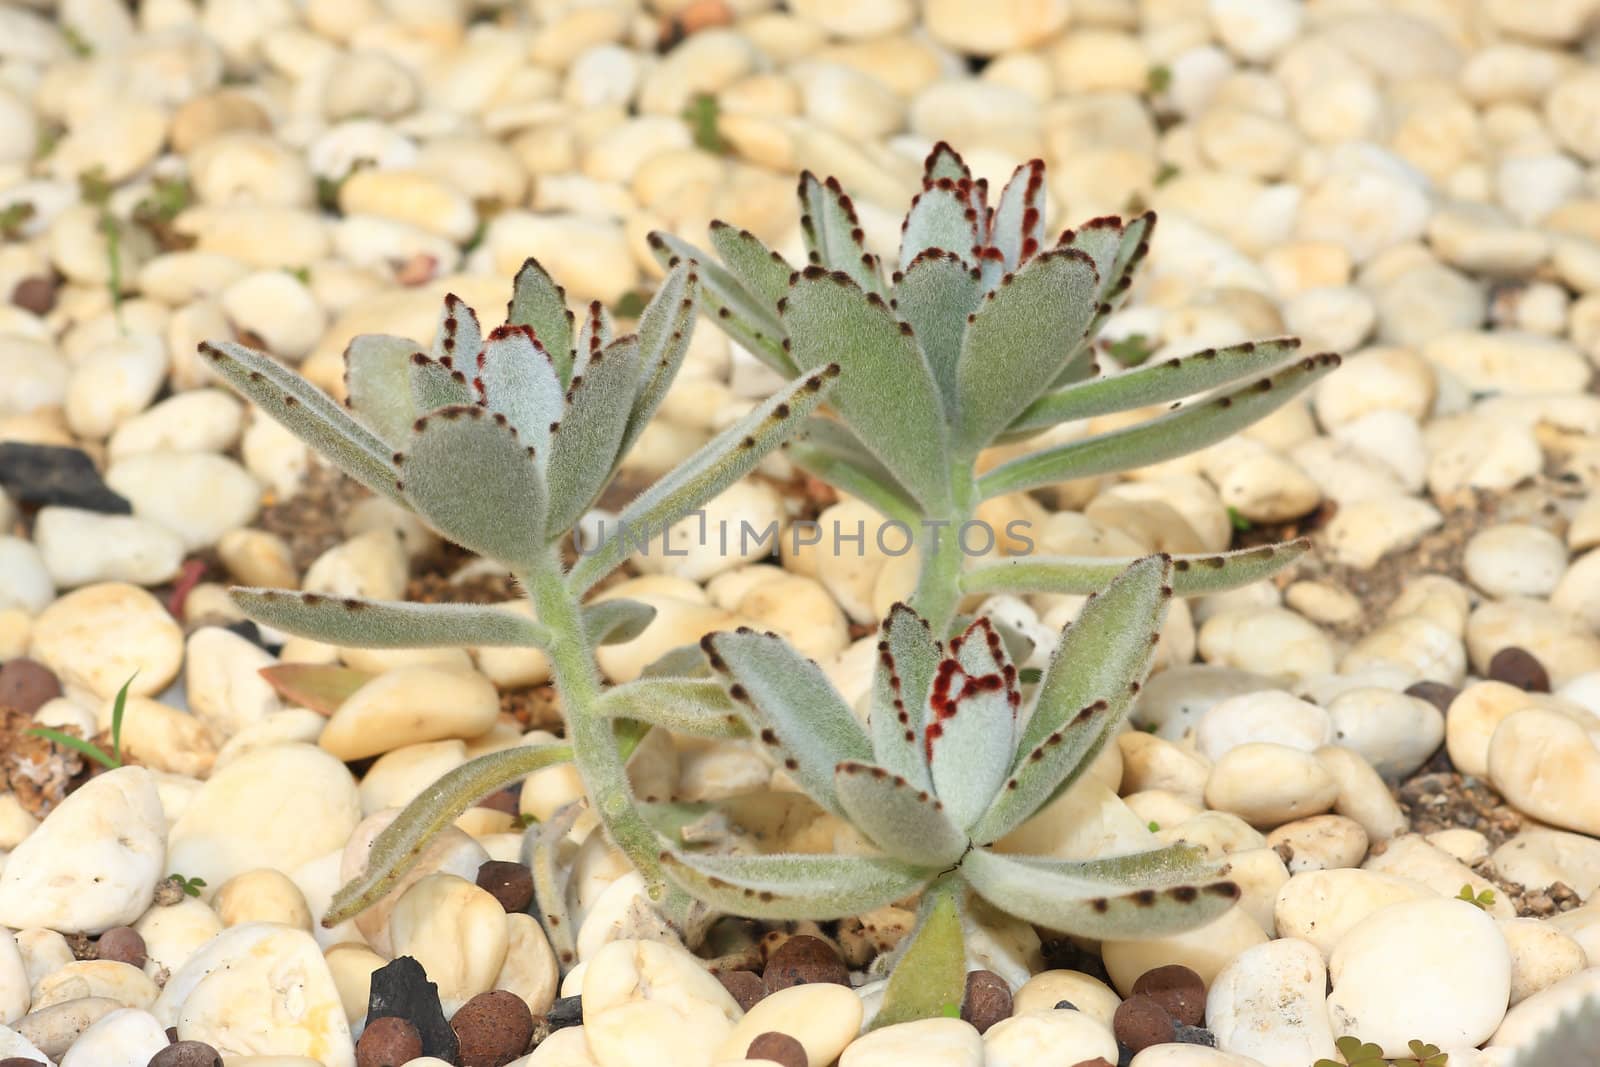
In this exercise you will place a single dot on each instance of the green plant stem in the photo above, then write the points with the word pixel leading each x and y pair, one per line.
pixel 938 590
pixel 931 973
pixel 600 763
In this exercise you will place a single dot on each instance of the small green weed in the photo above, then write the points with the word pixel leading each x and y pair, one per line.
pixel 111 760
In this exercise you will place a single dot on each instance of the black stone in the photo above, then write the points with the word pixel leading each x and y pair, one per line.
pixel 51 474
pixel 1195 1035
pixel 400 989
pixel 250 632
pixel 565 1012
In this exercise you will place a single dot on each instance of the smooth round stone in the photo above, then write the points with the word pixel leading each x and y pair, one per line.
pixel 1564 645
pixel 174 933
pixel 126 1038
pixel 1547 766
pixel 14 984
pixel 590 256
pixel 1475 714
pixel 84 547
pixel 1514 559
pixel 412 197
pixel 223 683
pixel 351 964
pixel 1267 784
pixel 371 564
pixel 246 816
pixel 1152 763
pixel 1541 955
pixel 1434 970
pixel 1270 1004
pixel 1205 949
pixel 823 1016
pixel 278 308
pixel 32 376
pixel 1393 732
pixel 197 495
pixel 25 582
pixel 1539 858
pixel 1363 796
pixel 110 979
pixel 1412 642
pixel 98 637
pixel 1273 641
pixel 262 895
pixel 1268 716
pixel 1174 700
pixel 1366 530
pixel 845 18
pixel 456 930
pixel 530 970
pixel 1320 907
pixel 410 705
pixel 450 851
pixel 1410 856
pixel 648 1003
pixel 932 1042
pixel 1189 1056
pixel 259 989
pixel 200 420
pixel 1048 1038
pixel 1319 843
pixel 53 1030
pixel 94 861
pixel 1088 994
pixel 398 777
pixel 113 383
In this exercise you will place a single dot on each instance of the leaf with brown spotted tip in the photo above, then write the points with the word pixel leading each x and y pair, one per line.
pixel 833 234
pixel 320 687
pixel 969 735
pixel 886 392
pixel 1196 575
pixel 788 886
pixel 1124 902
pixel 1017 340
pixel 308 413
pixel 935 295
pixel 1177 433
pixel 1088 687
pixel 585 446
pixel 436 384
pixel 741 314
pixel 538 302
pixel 356 622
pixel 1018 228
pixel 468 475
pixel 790 707
pixel 514 376
pixel 762 271
pixel 941 217
pixel 595 332
pixel 944 162
pixel 695 707
pixel 906 822
pixel 1132 244
pixel 908 656
pixel 1154 383
pixel 458 336
pixel 377 384
pixel 723 460
pixel 665 327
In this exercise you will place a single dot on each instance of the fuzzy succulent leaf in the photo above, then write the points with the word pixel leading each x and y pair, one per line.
pixel 1132 244
pixel 356 622
pixel 908 656
pixel 467 473
pixel 1100 239
pixel 935 295
pixel 458 336
pixel 969 736
pixel 1076 898
pixel 723 460
pixel 437 384
pixel 1018 228
pixel 308 413
pixel 616 621
pixel 941 217
pixel 790 707
pixel 789 886
pixel 931 975
pixel 538 302
pixel 1196 575
pixel 595 332
pixel 1018 339
pixel 762 271
pixel 1089 685
pixel 515 377
pixel 1154 383
pixel 396 849
pixel 1174 434
pixel 826 448
pixel 665 326
pixel 904 821
pixel 695 707
pixel 944 162
pixel 887 392
pixel 746 317
pixel 377 384
pixel 541 851
pixel 584 446
pixel 833 234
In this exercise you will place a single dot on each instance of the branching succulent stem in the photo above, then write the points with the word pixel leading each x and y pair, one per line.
pixel 939 579
pixel 593 739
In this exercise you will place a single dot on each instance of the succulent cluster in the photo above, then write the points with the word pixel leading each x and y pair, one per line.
pixel 981 335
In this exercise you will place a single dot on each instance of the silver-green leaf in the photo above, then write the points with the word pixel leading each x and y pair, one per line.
pixel 787 886
pixel 584 446
pixel 906 822
pixel 377 384
pixel 539 303
pixel 356 622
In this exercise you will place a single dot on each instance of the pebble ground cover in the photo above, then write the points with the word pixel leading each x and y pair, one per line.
pixel 1393 743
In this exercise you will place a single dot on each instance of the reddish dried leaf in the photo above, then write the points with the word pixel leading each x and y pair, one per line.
pixel 322 687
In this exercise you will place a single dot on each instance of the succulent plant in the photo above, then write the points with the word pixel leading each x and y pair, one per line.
pixel 501 442
pixel 980 334
pixel 951 760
